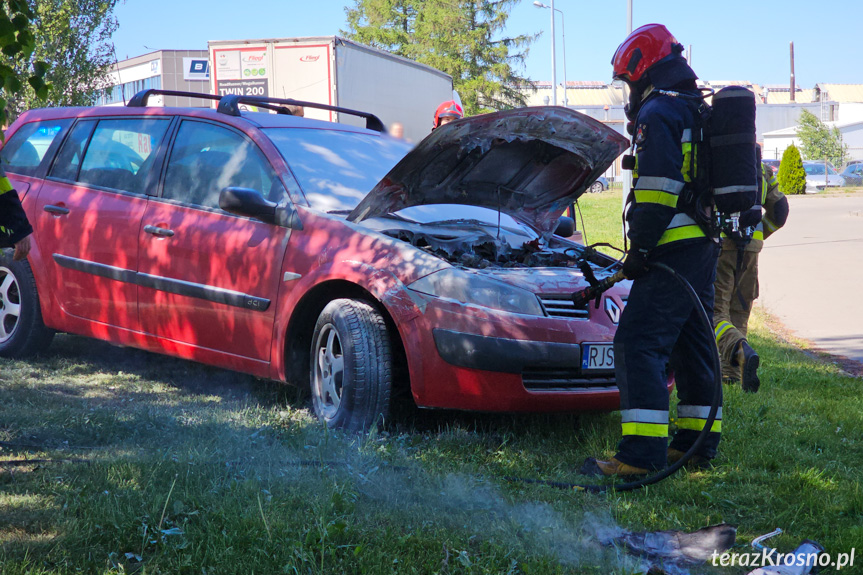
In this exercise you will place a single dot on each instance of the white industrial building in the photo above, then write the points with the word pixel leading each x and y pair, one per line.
pixel 181 70
pixel 777 115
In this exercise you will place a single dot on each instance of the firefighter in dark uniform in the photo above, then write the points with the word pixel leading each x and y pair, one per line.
pixel 660 328
pixel 15 230
pixel 737 286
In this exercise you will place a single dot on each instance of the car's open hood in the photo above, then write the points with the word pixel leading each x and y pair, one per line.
pixel 530 163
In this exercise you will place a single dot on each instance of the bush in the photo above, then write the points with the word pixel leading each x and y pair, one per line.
pixel 792 178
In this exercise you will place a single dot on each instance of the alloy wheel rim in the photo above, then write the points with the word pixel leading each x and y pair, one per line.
pixel 10 304
pixel 329 371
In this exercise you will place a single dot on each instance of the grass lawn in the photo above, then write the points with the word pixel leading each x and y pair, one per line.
pixel 154 465
pixel 600 220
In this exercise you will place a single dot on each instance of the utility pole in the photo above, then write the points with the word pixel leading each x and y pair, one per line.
pixel 553 61
pixel 628 17
pixel 793 83
pixel 626 174
pixel 562 43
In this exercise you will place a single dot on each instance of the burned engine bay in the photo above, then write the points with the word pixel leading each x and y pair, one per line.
pixel 481 245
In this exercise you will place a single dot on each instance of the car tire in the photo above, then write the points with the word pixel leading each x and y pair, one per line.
pixel 22 332
pixel 351 366
pixel 596 187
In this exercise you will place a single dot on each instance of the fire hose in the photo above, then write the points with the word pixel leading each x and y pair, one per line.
pixel 594 291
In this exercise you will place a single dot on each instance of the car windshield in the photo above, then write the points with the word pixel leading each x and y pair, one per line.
pixel 817 169
pixel 337 169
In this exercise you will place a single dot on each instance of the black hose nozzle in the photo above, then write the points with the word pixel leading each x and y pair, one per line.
pixel 583 297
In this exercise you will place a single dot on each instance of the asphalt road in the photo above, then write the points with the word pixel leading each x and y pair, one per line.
pixel 811 273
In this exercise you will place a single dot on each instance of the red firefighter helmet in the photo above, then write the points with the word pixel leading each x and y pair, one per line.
pixel 448 109
pixel 642 49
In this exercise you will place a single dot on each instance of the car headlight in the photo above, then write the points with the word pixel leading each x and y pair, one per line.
pixel 470 288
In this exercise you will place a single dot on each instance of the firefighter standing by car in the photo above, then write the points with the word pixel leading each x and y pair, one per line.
pixel 446 113
pixel 15 230
pixel 659 325
pixel 737 285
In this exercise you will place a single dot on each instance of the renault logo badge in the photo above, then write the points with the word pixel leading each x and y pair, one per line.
pixel 613 311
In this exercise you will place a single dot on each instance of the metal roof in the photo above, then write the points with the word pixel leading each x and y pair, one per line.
pixel 597 93
pixel 577 94
pixel 800 96
pixel 841 92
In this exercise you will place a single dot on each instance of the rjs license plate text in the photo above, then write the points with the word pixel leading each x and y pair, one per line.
pixel 597 356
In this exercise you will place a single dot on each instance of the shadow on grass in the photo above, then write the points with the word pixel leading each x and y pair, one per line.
pixel 74 355
pixel 127 375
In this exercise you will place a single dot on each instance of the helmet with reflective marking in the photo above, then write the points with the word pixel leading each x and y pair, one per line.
pixel 642 49
pixel 448 109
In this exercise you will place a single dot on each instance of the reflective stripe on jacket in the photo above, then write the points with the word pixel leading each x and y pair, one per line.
pixel 774 205
pixel 14 226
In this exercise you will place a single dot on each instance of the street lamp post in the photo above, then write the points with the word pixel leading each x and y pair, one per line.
pixel 539 4
pixel 627 175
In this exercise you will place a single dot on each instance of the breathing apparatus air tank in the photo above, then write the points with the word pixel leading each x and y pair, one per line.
pixel 734 169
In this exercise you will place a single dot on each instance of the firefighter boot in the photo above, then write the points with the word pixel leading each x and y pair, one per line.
pixel 748 361
pixel 696 462
pixel 595 468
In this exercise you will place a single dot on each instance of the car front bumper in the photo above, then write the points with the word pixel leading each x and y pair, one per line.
pixel 471 358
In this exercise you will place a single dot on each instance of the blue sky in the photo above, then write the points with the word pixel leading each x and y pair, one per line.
pixel 731 40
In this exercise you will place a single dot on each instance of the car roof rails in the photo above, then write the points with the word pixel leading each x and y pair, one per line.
pixel 230 104
pixel 139 100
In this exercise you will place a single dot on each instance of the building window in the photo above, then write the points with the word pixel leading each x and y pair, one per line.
pixel 124 92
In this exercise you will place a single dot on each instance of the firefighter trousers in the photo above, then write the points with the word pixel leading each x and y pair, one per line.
pixel 660 331
pixel 736 291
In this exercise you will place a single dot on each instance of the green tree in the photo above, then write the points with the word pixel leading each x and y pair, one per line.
pixel 73 36
pixel 792 178
pixel 464 38
pixel 383 24
pixel 817 141
pixel 18 67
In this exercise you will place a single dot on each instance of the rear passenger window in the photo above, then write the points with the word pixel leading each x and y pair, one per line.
pixel 69 159
pixel 121 153
pixel 205 159
pixel 26 149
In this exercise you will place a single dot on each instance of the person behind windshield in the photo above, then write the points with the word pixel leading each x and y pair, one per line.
pixel 446 113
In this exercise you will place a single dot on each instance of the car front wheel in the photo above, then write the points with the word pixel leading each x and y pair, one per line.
pixel 22 332
pixel 351 366
pixel 595 187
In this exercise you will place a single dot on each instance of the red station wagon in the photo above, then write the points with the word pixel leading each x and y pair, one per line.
pixel 322 254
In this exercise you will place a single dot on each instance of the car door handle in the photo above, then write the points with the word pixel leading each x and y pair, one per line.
pixel 161 232
pixel 58 210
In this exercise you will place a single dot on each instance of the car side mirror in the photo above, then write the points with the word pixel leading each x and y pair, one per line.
pixel 251 203
pixel 247 202
pixel 565 227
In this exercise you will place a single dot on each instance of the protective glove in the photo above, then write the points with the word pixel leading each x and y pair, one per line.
pixel 635 264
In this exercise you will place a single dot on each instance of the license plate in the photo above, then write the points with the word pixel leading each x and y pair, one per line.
pixel 597 356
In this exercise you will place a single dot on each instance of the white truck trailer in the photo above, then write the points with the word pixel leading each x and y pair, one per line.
pixel 332 70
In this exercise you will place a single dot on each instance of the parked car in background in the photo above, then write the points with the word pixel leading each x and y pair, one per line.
pixel 820 177
pixel 853 174
pixel 774 165
pixel 600 185
pixel 326 255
